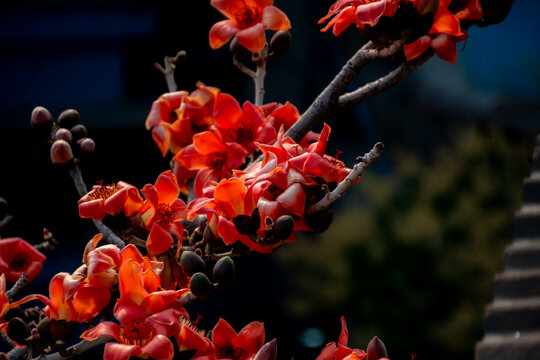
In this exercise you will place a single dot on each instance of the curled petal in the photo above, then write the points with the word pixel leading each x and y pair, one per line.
pixel 252 38
pixel 275 19
pixel 103 329
pixel 115 351
pixel 159 348
pixel 293 199
pixel 371 12
pixel 222 32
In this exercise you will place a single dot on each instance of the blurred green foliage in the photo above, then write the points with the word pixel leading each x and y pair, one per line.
pixel 411 255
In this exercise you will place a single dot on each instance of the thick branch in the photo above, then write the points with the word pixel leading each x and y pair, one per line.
pixel 76 349
pixel 108 234
pixel 328 98
pixel 356 172
pixel 376 87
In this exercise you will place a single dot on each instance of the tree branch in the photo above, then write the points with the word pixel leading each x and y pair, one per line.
pixel 373 88
pixel 168 71
pixel 357 171
pixel 328 98
pixel 21 282
pixel 75 349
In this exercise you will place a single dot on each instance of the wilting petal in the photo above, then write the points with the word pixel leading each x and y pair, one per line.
pixel 293 199
pixel 275 19
pixel 221 32
pixel 344 336
pixel 446 22
pixel 157 301
pixel 371 12
pixel 252 38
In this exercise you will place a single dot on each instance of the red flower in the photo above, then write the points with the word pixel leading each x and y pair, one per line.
pixel 213 157
pixel 242 346
pixel 4 301
pixel 175 117
pixel 110 199
pixel 137 335
pixel 340 351
pixel 359 12
pixel 247 19
pixel 162 213
pixel 17 257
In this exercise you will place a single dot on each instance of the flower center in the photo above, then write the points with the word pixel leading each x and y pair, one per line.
pixel 165 214
pixel 235 353
pixel 137 332
pixel 18 263
pixel 103 192
pixel 215 160
pixel 243 134
pixel 246 16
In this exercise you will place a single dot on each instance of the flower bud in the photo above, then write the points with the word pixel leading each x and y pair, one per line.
pixel 376 349
pixel 68 118
pixel 283 227
pixel 41 119
pixel 320 221
pixel 43 329
pixel 191 263
pixel 238 50
pixel 63 134
pixel 79 131
pixel 200 285
pixel 86 145
pixel 17 330
pixel 280 43
pixel 61 153
pixel 268 351
pixel 224 270
pixel 3 208
pixel 62 329
pixel 210 238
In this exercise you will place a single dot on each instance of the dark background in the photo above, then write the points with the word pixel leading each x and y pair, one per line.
pixel 414 245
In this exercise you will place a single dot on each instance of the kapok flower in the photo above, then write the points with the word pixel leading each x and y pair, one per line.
pixel 175 117
pixel 247 20
pixel 136 335
pixel 340 351
pixel 17 257
pixel 110 199
pixel 162 213
pixel 101 263
pixel 358 12
pixel 243 125
pixel 237 346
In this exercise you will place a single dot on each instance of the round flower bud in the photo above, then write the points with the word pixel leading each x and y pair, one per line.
pixel 376 349
pixel 3 208
pixel 68 118
pixel 62 329
pixel 43 329
pixel 191 263
pixel 200 285
pixel 79 131
pixel 238 50
pixel 41 119
pixel 280 43
pixel 283 227
pixel 87 145
pixel 63 134
pixel 320 221
pixel 61 153
pixel 224 270
pixel 17 330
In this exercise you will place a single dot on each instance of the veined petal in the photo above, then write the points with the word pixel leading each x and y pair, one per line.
pixel 103 329
pixel 228 7
pixel 417 48
pixel 221 32
pixel 167 187
pixel 116 351
pixel 90 300
pixel 252 38
pixel 131 282
pixel 275 19
pixel 231 196
pixel 344 336
pixel 293 199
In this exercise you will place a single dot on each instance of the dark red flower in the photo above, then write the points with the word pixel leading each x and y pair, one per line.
pixel 18 257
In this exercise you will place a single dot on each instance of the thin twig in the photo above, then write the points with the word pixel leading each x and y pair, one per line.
pixel 19 284
pixel 356 172
pixel 75 349
pixel 6 340
pixel 373 88
pixel 168 71
pixel 259 83
pixel 108 234
pixel 329 97
pixel 243 68
pixel 17 353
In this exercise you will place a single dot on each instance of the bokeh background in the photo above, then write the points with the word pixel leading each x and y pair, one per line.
pixel 414 246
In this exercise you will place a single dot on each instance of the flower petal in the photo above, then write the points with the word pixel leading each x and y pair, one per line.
pixel 159 240
pixel 115 351
pixel 252 38
pixel 159 348
pixel 371 12
pixel 275 19
pixel 221 32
